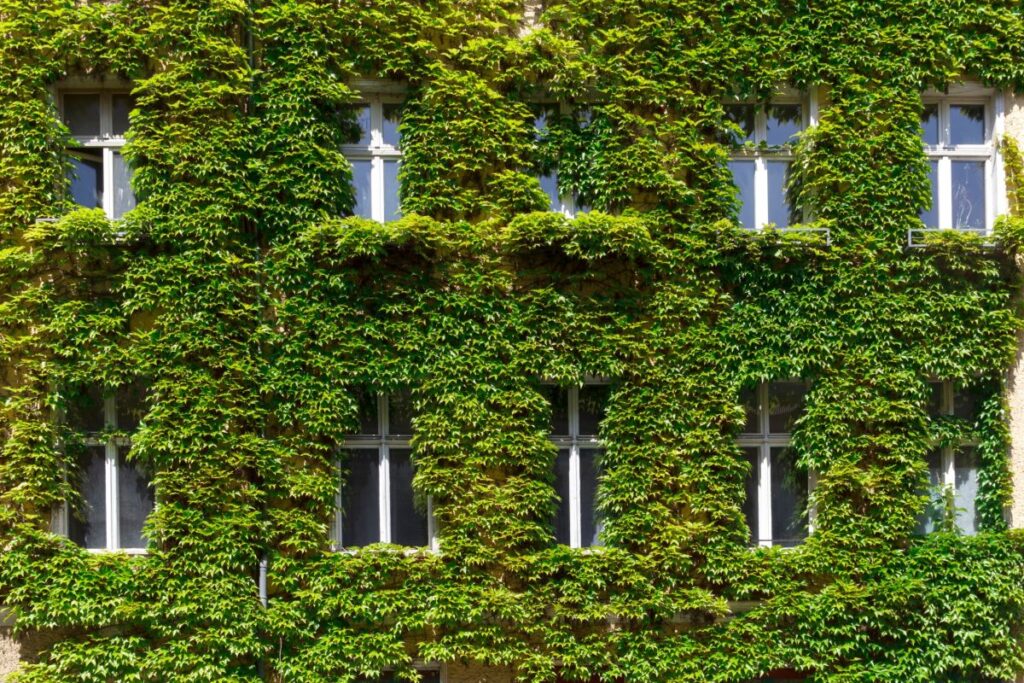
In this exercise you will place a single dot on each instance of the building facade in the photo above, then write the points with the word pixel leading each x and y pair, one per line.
pixel 474 341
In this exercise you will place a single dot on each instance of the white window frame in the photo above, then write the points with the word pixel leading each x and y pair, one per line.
pixel 764 440
pixel 945 153
pixel 383 442
pixel 567 202
pixel 948 463
pixel 106 143
pixel 574 442
pixel 111 444
pixel 375 95
pixel 761 154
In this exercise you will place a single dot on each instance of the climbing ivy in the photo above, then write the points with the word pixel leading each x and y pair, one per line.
pixel 256 309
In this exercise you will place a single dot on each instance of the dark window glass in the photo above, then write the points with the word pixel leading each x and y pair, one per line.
pixel 965 489
pixel 366 402
pixel 751 455
pixel 931 517
pixel 779 209
pixel 360 499
pixel 390 129
pixel 130 402
pixel 966 403
pixel 134 499
pixel 968 195
pixel 593 401
pixel 785 405
pixel 86 179
pixel 82 114
pixel 789 498
pixel 930 216
pixel 743 115
pixel 743 179
pixel 392 199
pixel 589 471
pixel 362 173
pixel 930 124
pixel 121 104
pixel 562 489
pixel 784 122
pixel 967 124
pixel 400 413
pixel 88 528
pixel 752 423
pixel 363 121
pixel 85 411
pixel 558 398
pixel 124 197
pixel 935 407
pixel 408 524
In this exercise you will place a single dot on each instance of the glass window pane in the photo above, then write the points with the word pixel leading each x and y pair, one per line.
pixel 82 114
pixel 789 498
pixel 121 105
pixel 89 527
pixel 966 403
pixel 930 216
pixel 408 523
pixel 785 405
pixel 86 180
pixel 362 183
pixel 400 412
pixel 593 401
pixel 366 406
pixel 360 499
pixel 130 405
pixel 85 409
pixel 751 455
pixel 124 198
pixel 935 406
pixel 784 122
pixel 558 398
pixel 966 124
pixel 743 115
pixel 779 210
pixel 590 525
pixel 743 179
pixel 965 489
pixel 364 121
pixel 549 183
pixel 562 490
pixel 968 195
pixel 134 500
pixel 931 516
pixel 930 124
pixel 392 119
pixel 392 200
pixel 748 399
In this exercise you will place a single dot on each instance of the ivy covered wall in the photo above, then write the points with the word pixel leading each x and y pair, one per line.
pixel 256 311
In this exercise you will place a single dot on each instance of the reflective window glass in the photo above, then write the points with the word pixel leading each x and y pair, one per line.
pixel 362 183
pixel 930 216
pixel 134 500
pixel 82 114
pixel 88 527
pixel 408 523
pixel 789 498
pixel 743 178
pixel 124 198
pixel 785 405
pixel 562 516
pixel 967 124
pixel 744 117
pixel 121 105
pixel 392 119
pixel 589 471
pixel 965 489
pixel 87 180
pixel 779 209
pixel 593 401
pixel 784 122
pixel 968 194
pixel 930 124
pixel 392 200
pixel 360 499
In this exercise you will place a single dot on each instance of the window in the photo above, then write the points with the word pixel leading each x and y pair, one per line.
pixel 958 131
pixel 952 470
pixel 777 486
pixel 116 492
pixel 100 176
pixel 376 157
pixel 566 204
pixel 376 502
pixel 576 414
pixel 426 676
pixel 761 156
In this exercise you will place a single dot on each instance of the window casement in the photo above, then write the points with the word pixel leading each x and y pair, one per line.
pixel 777 486
pixel 576 414
pixel 116 492
pixel 98 122
pixel 376 503
pixel 376 156
pixel 761 155
pixel 561 202
pixel 959 131
pixel 952 470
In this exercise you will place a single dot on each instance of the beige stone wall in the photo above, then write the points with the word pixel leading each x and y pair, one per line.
pixel 1014 108
pixel 476 673
pixel 10 654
